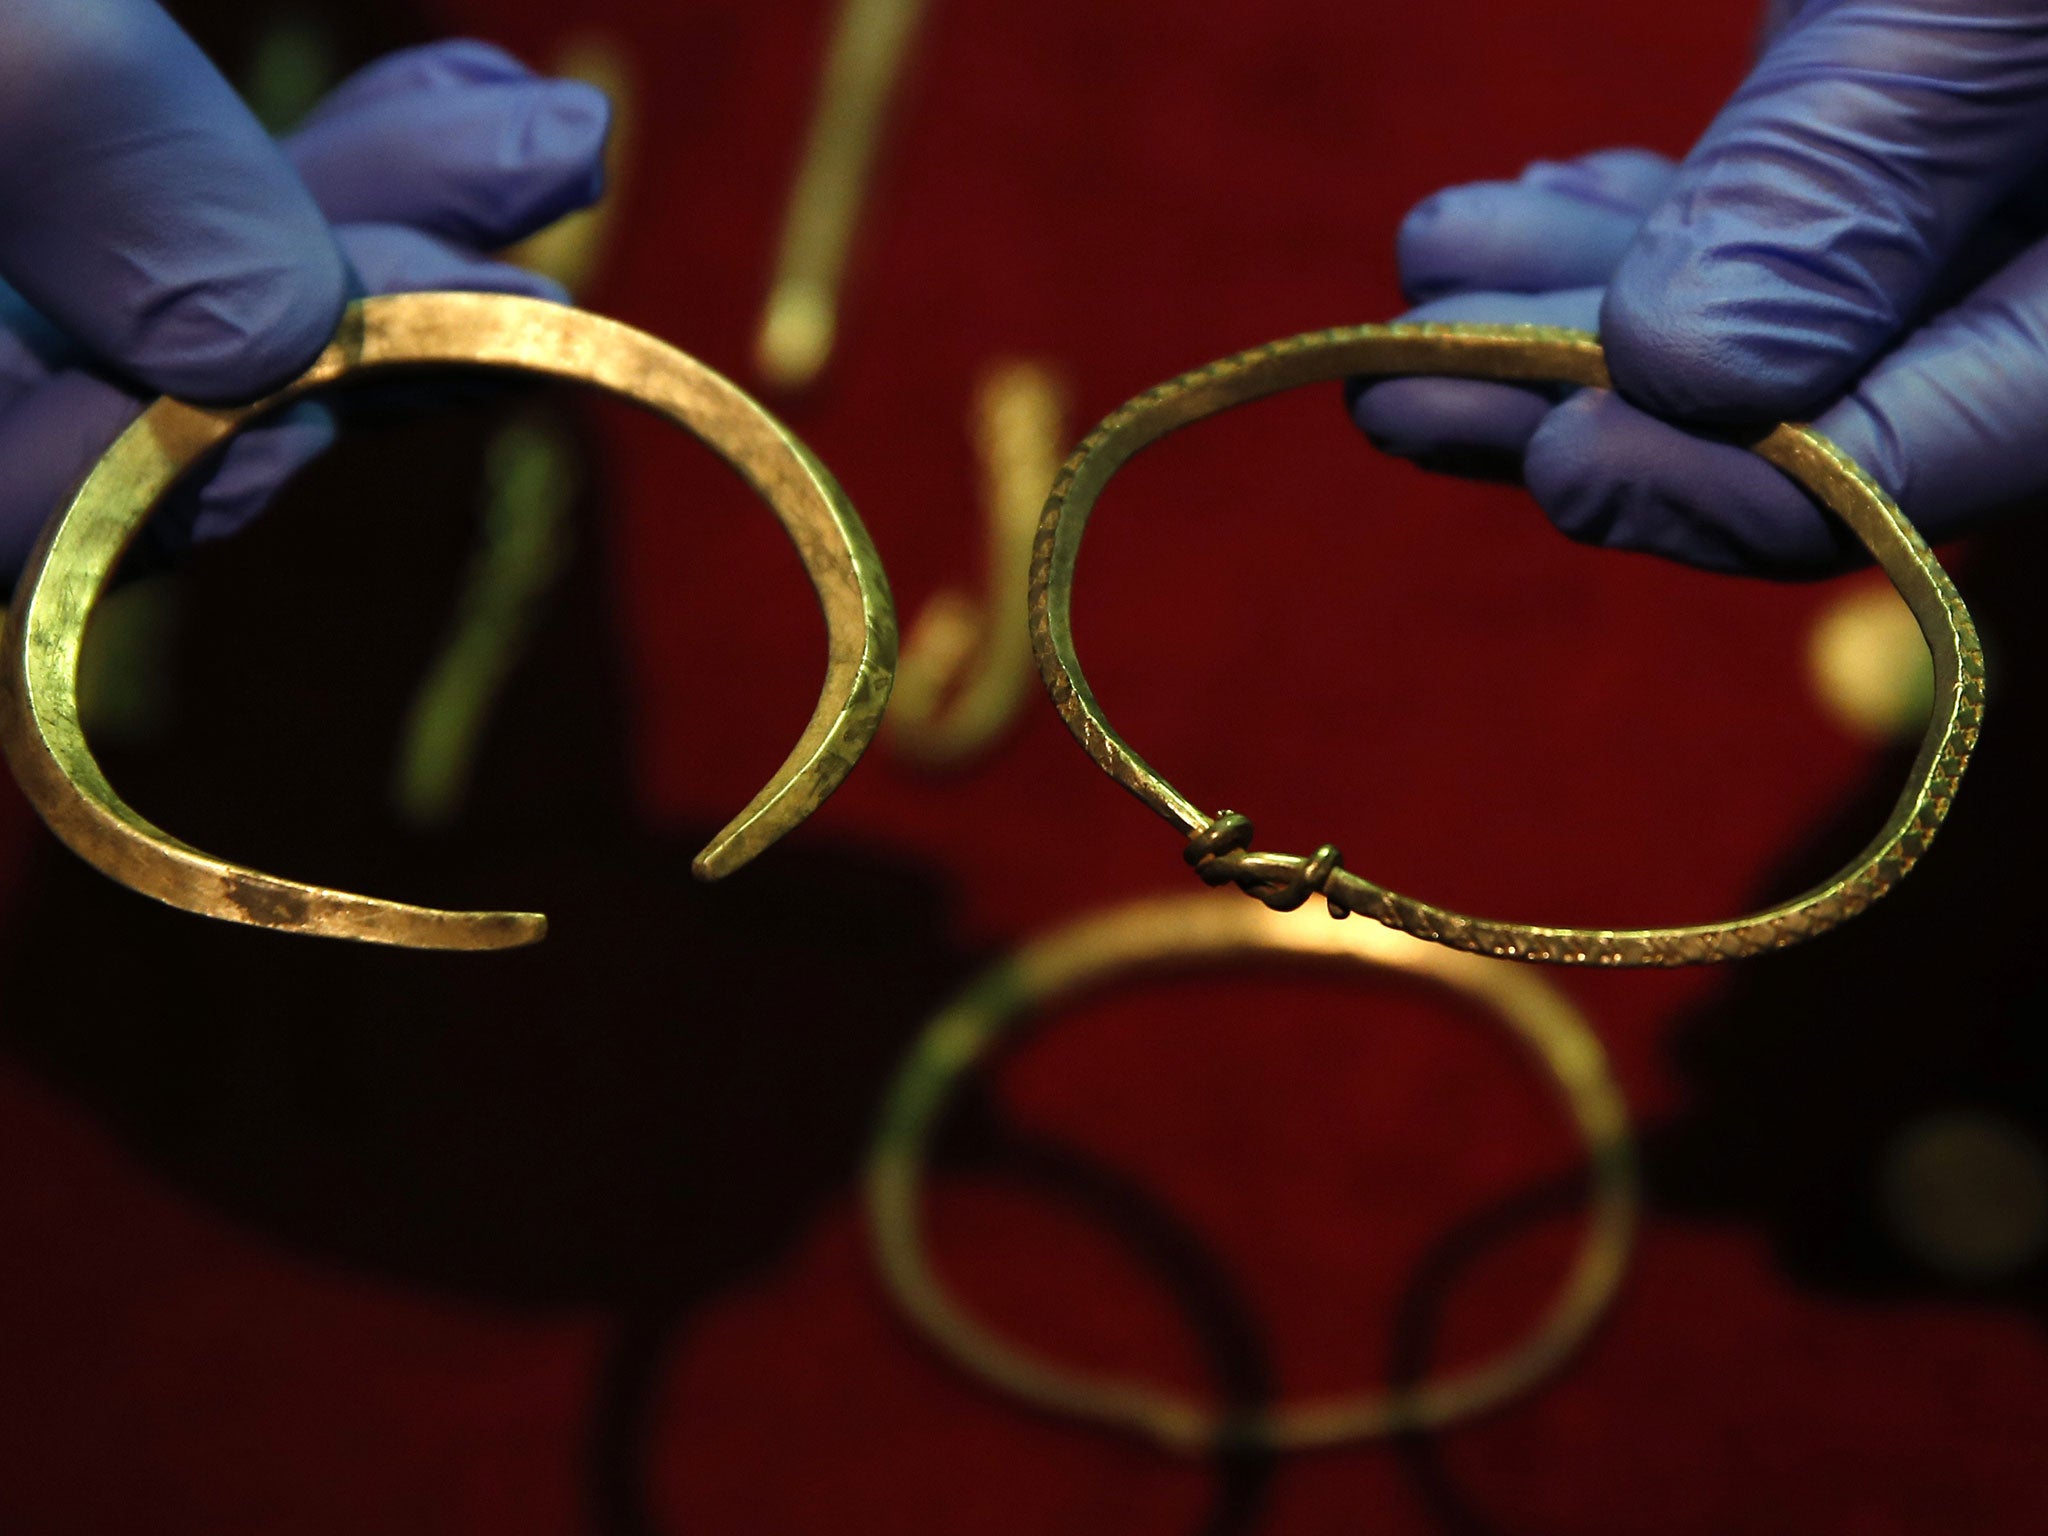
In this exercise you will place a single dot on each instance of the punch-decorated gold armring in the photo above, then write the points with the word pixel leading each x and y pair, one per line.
pixel 1219 846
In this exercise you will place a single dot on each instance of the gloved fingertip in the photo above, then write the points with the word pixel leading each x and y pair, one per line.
pixel 471 60
pixel 1566 473
pixel 571 129
pixel 1699 334
pixel 1423 418
pixel 1462 238
pixel 1418 244
pixel 524 281
pixel 257 466
pixel 1607 474
pixel 1625 179
pixel 235 335
pixel 393 258
pixel 1576 309
pixel 1542 234
pixel 430 69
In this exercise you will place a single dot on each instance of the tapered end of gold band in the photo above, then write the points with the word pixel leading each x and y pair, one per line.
pixel 480 931
pixel 245 896
pixel 721 858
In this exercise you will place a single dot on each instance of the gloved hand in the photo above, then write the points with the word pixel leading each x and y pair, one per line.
pixel 1855 241
pixel 153 239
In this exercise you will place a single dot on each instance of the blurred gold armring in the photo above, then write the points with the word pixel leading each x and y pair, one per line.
pixel 1177 934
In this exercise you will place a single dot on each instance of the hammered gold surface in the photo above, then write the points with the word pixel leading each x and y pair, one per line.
pixel 84 541
pixel 1219 844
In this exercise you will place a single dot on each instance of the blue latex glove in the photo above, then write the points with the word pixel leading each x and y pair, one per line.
pixel 153 239
pixel 1856 240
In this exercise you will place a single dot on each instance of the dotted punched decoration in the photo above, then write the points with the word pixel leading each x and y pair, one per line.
pixel 1218 847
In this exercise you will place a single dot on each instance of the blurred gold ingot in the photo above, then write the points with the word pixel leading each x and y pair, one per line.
pixel 1869 667
pixel 1219 846
pixel 966 668
pixel 76 558
pixel 1175 934
pixel 865 60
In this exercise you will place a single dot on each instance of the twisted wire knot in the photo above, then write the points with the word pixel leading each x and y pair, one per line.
pixel 1220 854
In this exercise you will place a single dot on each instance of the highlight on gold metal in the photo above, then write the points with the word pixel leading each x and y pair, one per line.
pixel 1219 846
pixel 869 45
pixel 83 543
pixel 1174 934
pixel 966 668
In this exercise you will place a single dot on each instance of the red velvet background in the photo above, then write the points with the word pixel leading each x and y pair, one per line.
pixel 1417 669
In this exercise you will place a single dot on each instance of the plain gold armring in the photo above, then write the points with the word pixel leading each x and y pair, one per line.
pixel 1173 934
pixel 1219 845
pixel 84 541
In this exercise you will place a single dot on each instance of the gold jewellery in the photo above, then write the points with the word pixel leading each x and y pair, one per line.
pixel 1219 846
pixel 76 558
pixel 1175 933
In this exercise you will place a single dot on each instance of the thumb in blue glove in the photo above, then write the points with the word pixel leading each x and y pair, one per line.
pixel 1855 240
pixel 154 239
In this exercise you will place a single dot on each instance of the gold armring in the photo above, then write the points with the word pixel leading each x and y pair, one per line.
pixel 1180 931
pixel 73 563
pixel 1219 846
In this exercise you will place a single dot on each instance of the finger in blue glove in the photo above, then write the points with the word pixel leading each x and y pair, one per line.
pixel 145 212
pixel 1823 251
pixel 1804 232
pixel 483 162
pixel 527 149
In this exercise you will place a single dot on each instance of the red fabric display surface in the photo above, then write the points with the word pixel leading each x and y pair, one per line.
pixel 481 1304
